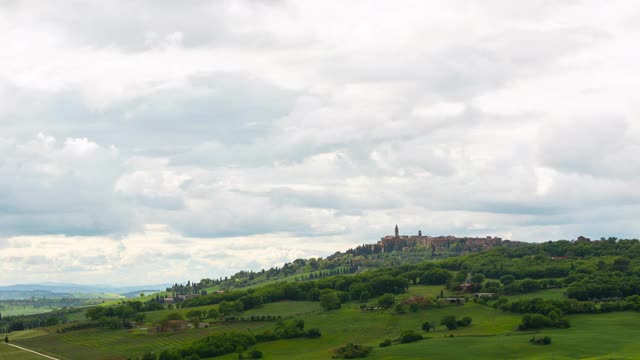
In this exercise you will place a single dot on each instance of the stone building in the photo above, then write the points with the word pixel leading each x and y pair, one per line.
pixel 399 242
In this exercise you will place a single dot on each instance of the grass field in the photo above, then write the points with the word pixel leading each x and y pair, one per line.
pixel 547 294
pixel 11 353
pixel 11 310
pixel 26 334
pixel 107 344
pixel 155 316
pixel 492 335
pixel 349 324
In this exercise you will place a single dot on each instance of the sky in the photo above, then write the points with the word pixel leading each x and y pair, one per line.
pixel 160 141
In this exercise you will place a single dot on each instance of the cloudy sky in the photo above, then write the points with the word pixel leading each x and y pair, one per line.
pixel 145 142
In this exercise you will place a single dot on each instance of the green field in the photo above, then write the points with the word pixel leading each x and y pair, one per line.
pixel 26 334
pixel 11 353
pixel 492 335
pixel 604 336
pixel 12 310
pixel 119 344
pixel 547 294
pixel 152 317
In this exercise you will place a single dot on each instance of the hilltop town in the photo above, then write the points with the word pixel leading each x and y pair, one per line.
pixel 441 243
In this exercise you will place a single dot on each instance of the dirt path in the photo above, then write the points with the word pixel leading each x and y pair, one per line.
pixel 31 351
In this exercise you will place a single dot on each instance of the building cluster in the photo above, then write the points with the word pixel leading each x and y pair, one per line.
pixel 402 242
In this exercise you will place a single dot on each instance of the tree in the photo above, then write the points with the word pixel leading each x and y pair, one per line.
pixel 409 336
pixel 51 321
pixel 359 291
pixel 352 351
pixel 385 343
pixel 149 356
pixel 213 313
pixel 230 307
pixel 507 279
pixel 413 276
pixel 477 278
pixel 386 301
pixel 329 300
pixel 194 314
pixel 427 326
pixel 450 322
pixel 621 264
pixel 467 320
pixel 435 276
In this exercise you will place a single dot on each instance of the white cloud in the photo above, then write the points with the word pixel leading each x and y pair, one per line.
pixel 255 132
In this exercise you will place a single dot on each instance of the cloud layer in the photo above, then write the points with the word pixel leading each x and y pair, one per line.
pixel 193 141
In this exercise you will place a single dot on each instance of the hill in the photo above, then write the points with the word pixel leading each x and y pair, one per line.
pixel 390 250
pixel 562 299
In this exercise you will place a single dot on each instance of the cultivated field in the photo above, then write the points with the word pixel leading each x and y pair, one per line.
pixel 492 334
pixel 11 353
pixel 118 344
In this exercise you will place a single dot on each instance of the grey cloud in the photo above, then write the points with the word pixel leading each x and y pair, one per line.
pixel 324 128
pixel 598 146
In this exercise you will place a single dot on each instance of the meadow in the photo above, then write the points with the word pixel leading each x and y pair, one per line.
pixel 492 335
pixel 11 353
pixel 106 344
pixel 12 310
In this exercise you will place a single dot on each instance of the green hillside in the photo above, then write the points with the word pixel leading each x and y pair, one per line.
pixel 559 300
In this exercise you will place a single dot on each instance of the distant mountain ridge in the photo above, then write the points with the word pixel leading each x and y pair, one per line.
pixel 62 290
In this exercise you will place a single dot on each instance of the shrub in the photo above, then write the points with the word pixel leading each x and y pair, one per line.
pixel 329 300
pixel 450 322
pixel 538 321
pixel 546 340
pixel 409 336
pixel 352 351
pixel 386 301
pixel 313 333
pixel 255 354
pixel 467 320
pixel 385 343
pixel 219 344
pixel 169 355
pixel 427 326
pixel 400 309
